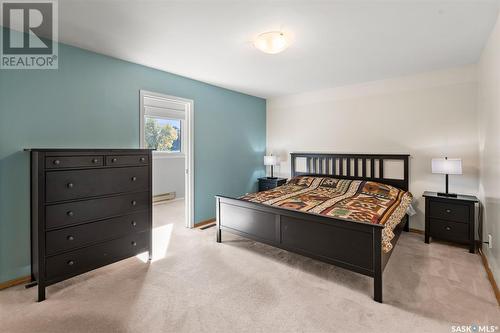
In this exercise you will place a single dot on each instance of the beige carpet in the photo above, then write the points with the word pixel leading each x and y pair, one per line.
pixel 197 285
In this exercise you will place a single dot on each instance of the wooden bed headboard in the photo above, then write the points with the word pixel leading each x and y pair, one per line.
pixel 352 166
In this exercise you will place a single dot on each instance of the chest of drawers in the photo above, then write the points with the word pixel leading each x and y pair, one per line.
pixel 89 208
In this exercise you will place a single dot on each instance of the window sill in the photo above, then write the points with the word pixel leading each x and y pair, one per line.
pixel 162 155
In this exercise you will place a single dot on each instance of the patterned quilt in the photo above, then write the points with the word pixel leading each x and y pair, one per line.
pixel 355 200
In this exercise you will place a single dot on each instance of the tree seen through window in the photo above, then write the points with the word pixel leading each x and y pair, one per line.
pixel 163 134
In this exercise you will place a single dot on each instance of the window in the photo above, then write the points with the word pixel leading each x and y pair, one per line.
pixel 161 124
pixel 163 134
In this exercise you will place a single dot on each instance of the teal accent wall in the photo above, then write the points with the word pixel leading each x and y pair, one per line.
pixel 92 101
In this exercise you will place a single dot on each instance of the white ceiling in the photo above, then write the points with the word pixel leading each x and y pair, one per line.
pixel 335 42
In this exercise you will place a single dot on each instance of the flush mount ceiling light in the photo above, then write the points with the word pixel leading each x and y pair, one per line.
pixel 271 42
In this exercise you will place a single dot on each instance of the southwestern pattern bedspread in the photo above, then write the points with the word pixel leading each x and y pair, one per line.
pixel 356 200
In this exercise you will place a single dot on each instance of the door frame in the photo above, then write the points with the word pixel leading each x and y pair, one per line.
pixel 189 152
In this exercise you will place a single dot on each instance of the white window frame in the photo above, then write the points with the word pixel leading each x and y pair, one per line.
pixel 164 113
pixel 187 144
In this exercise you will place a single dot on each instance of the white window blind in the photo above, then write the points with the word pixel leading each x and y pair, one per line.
pixel 163 108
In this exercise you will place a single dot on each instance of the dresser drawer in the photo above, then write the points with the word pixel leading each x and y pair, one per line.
pixel 75 184
pixel 79 212
pixel 95 232
pixel 449 230
pixel 79 261
pixel 55 162
pixel 449 211
pixel 114 160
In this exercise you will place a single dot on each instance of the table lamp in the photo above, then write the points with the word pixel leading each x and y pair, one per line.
pixel 272 161
pixel 447 166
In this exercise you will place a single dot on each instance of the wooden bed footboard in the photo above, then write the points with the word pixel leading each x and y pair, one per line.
pixel 351 245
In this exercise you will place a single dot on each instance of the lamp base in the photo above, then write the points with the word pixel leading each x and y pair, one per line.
pixel 449 195
pixel 272 177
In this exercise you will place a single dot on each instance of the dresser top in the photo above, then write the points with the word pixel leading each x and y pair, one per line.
pixel 461 197
pixel 118 150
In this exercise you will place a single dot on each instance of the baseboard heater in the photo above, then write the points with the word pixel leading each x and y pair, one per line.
pixel 206 226
pixel 164 197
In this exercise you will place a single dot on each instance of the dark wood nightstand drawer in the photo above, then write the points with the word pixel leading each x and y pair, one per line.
pixel 264 188
pixel 270 183
pixel 449 230
pixel 449 211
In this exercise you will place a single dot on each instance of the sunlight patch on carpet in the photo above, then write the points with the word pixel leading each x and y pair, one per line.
pixel 161 240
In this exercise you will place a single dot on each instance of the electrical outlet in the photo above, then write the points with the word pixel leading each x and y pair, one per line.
pixel 490 241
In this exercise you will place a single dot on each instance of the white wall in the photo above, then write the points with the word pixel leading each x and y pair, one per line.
pixel 489 144
pixel 168 176
pixel 427 115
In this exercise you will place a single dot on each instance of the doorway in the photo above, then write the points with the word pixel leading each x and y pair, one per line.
pixel 166 125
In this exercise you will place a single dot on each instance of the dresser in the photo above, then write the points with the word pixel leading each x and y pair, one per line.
pixel 450 218
pixel 89 208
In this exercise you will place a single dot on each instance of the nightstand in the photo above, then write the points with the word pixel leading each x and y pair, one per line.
pixel 270 183
pixel 450 218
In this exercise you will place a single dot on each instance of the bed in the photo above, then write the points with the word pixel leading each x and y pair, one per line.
pixel 322 211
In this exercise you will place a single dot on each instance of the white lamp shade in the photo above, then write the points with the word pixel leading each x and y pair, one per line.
pixel 271 160
pixel 450 166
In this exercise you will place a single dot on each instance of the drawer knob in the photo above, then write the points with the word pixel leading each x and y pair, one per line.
pixel 134 243
pixel 95 160
pixel 133 202
pixel 56 162
pixel 142 159
pixel 447 228
pixel 71 262
pixel 133 179
pixel 113 160
pixel 70 185
pixel 70 213
pixel 134 223
pixel 448 211
pixel 70 238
